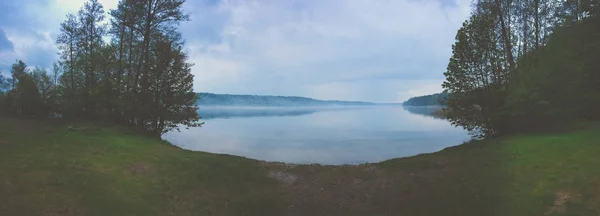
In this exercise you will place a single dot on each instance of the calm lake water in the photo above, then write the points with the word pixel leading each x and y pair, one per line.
pixel 332 135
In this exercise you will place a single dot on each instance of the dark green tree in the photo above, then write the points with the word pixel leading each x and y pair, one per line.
pixel 28 102
pixel 475 76
pixel 71 79
pixel 172 101
pixel 523 65
pixel 17 70
pixel 43 82
pixel 91 31
pixel 4 83
pixel 141 78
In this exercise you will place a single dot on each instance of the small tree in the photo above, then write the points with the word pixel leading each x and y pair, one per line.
pixel 4 85
pixel 3 89
pixel 43 82
pixel 28 102
pixel 17 70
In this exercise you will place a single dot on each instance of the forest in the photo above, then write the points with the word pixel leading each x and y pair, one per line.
pixel 211 99
pixel 427 100
pixel 525 66
pixel 516 66
pixel 139 77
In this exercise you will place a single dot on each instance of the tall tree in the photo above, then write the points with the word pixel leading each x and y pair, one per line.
pixel 473 76
pixel 90 17
pixel 28 102
pixel 496 89
pixel 71 80
pixel 68 41
pixel 17 70
pixel 172 100
pixel 141 78
pixel 125 23
pixel 160 18
pixel 3 83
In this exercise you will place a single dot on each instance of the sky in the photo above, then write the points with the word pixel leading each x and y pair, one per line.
pixel 360 50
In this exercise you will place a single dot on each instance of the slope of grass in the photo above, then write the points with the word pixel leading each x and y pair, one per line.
pixel 47 169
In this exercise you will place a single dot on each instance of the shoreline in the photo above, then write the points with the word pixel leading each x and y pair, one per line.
pixel 116 171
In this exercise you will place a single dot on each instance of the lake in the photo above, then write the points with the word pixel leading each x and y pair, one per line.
pixel 324 135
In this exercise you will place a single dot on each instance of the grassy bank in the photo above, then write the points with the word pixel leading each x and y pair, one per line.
pixel 47 169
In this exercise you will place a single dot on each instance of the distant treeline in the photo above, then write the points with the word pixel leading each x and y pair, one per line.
pixel 527 65
pixel 210 99
pixel 427 100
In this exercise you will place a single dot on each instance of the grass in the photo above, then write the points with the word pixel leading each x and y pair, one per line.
pixel 47 169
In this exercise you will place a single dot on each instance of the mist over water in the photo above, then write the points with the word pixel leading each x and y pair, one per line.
pixel 324 135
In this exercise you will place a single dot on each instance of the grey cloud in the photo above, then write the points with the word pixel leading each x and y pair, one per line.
pixel 302 48
pixel 292 47
pixel 444 3
pixel 40 57
pixel 5 44
pixel 13 13
pixel 26 21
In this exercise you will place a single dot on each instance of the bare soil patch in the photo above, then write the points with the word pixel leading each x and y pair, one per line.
pixel 560 203
pixel 283 177
pixel 140 168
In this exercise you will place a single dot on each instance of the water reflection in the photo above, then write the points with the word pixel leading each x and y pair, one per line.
pixel 429 111
pixel 218 112
pixel 340 135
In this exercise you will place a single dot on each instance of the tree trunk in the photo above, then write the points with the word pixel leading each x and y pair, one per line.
pixel 536 5
pixel 505 37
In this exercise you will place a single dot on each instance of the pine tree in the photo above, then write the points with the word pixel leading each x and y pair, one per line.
pixel 90 16
pixel 71 79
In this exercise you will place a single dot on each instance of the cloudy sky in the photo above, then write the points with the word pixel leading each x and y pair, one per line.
pixel 369 50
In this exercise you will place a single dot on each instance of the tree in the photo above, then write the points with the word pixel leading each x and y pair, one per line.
pixel 557 45
pixel 173 101
pixel 67 40
pixel 474 76
pixel 28 102
pixel 90 16
pixel 56 72
pixel 23 99
pixel 43 83
pixel 4 84
pixel 159 19
pixel 427 100
pixel 108 93
pixel 71 79
pixel 17 70
pixel 141 78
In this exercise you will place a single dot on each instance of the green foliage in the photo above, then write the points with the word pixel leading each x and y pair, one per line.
pixel 142 78
pixel 4 86
pixel 427 100
pixel 23 98
pixel 210 99
pixel 17 70
pixel 28 101
pixel 568 61
pixel 475 77
pixel 553 81
pixel 44 84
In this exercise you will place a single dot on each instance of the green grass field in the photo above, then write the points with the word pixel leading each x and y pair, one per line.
pixel 47 169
